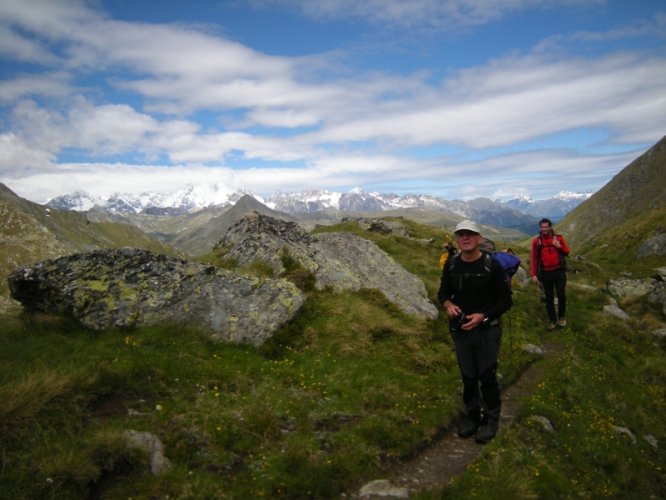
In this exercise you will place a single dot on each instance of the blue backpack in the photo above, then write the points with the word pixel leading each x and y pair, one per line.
pixel 509 261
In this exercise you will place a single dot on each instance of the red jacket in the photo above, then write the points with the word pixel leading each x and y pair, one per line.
pixel 545 251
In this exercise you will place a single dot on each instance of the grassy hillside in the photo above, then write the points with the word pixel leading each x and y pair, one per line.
pixel 617 249
pixel 349 385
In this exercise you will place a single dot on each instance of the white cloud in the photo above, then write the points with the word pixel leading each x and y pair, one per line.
pixel 16 46
pixel 357 126
pixel 283 118
pixel 109 129
pixel 532 172
pixel 55 84
pixel 515 100
pixel 452 15
pixel 14 151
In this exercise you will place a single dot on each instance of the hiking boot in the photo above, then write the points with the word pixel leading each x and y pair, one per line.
pixel 551 327
pixel 562 322
pixel 487 430
pixel 469 424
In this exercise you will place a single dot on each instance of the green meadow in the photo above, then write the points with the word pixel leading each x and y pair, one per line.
pixel 348 387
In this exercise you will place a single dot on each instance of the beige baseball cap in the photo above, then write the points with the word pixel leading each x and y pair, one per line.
pixel 467 225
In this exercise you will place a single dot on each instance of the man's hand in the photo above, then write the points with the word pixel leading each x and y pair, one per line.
pixel 452 310
pixel 474 320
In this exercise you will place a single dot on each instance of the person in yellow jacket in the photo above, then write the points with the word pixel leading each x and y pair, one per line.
pixel 449 250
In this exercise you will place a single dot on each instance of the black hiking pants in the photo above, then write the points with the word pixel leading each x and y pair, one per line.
pixel 556 280
pixel 477 352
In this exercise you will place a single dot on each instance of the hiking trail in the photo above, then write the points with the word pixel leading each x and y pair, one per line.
pixel 448 455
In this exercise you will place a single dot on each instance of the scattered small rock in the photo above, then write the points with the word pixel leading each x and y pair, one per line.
pixel 150 444
pixel 626 432
pixel 661 273
pixel 661 333
pixel 582 287
pixel 652 441
pixel 533 349
pixel 614 310
pixel 383 488
pixel 543 422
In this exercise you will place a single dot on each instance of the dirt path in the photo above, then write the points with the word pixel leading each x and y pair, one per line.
pixel 434 467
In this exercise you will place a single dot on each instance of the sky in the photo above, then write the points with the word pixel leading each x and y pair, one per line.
pixel 452 98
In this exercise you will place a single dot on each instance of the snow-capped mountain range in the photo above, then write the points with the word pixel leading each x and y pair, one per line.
pixel 193 198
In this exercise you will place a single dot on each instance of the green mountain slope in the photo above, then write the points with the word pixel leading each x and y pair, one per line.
pixel 638 189
pixel 200 239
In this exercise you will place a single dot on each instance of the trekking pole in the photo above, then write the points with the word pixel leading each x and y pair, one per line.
pixel 541 292
pixel 510 333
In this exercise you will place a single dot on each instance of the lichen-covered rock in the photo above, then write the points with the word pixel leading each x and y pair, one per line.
pixel 341 261
pixel 130 287
pixel 625 288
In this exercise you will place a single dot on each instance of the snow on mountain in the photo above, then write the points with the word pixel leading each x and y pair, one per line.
pixel 79 201
pixel 570 195
pixel 554 208
pixel 308 201
pixel 189 199
pixel 195 197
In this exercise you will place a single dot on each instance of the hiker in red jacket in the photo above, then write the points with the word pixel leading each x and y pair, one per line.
pixel 548 266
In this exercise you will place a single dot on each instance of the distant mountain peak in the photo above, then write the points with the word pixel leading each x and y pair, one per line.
pixel 519 211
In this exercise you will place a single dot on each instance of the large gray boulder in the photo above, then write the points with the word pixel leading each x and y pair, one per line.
pixel 130 287
pixel 340 261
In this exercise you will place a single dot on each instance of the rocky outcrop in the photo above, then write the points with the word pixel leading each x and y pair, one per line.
pixel 341 261
pixel 653 289
pixel 377 225
pixel 626 288
pixel 130 287
pixel 654 245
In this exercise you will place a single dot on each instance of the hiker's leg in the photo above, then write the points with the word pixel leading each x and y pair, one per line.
pixel 487 355
pixel 490 390
pixel 560 289
pixel 548 285
pixel 469 371
pixel 471 398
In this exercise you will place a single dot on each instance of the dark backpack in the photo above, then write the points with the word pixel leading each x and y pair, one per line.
pixel 509 262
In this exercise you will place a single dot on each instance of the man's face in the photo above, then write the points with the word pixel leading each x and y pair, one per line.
pixel 544 228
pixel 467 240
